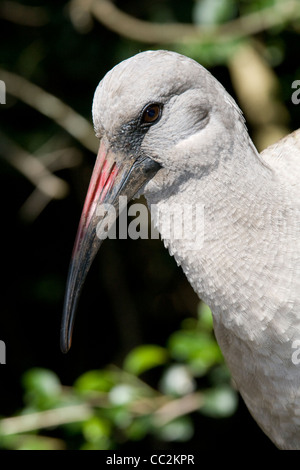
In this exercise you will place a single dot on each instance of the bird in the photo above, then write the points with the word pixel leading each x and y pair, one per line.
pixel 170 131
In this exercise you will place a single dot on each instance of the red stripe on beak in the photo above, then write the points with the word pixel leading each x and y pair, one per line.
pixel 103 177
pixel 115 174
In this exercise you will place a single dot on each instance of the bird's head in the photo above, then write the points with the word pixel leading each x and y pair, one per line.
pixel 165 106
pixel 157 115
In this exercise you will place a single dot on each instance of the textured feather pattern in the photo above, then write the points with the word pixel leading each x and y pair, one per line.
pixel 248 272
pixel 247 266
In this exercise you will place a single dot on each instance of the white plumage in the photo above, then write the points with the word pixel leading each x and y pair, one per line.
pixel 248 267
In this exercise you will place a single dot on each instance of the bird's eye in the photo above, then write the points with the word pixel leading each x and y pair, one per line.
pixel 151 113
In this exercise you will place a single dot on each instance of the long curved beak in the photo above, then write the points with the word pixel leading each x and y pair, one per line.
pixel 114 175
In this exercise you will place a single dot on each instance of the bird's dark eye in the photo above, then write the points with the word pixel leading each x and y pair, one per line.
pixel 151 113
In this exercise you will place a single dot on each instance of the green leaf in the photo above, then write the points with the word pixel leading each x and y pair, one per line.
pixel 212 12
pixel 139 428
pixel 123 394
pixel 205 319
pixel 194 345
pixel 97 433
pixel 180 430
pixel 211 52
pixel 42 388
pixel 144 358
pixel 177 380
pixel 95 380
pixel 96 429
pixel 220 402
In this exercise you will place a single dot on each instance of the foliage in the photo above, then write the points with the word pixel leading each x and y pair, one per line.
pixel 108 406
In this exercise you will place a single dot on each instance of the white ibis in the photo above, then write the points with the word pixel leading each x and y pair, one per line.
pixel 168 129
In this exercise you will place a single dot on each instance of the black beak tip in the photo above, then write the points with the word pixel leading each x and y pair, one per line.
pixel 65 345
pixel 66 330
pixel 65 340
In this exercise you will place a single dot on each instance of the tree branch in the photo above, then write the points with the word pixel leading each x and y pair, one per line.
pixel 23 14
pixel 178 407
pixel 39 172
pixel 52 107
pixel 45 419
pixel 143 31
pixel 33 169
pixel 257 86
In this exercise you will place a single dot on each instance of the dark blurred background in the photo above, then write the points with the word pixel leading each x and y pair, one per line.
pixel 135 294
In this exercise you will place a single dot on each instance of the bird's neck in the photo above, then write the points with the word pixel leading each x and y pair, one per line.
pixel 230 229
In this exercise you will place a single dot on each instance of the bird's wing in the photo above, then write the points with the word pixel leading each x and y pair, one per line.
pixel 284 158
